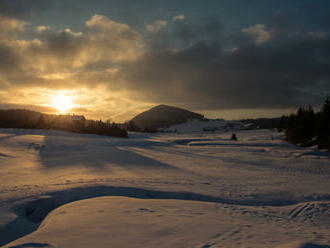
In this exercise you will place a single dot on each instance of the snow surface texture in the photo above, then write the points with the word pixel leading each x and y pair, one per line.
pixel 193 189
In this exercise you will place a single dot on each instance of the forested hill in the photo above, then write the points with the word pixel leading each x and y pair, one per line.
pixel 27 119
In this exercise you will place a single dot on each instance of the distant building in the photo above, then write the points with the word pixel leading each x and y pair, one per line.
pixel 77 117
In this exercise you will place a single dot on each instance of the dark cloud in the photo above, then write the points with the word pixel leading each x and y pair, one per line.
pixel 282 71
pixel 208 29
pixel 59 58
pixel 194 63
pixel 184 33
pixel 22 8
pixel 9 58
pixel 62 45
pixel 7 10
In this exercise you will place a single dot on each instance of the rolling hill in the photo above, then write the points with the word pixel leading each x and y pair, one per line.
pixel 164 116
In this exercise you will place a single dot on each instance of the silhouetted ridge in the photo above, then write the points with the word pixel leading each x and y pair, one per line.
pixel 27 119
pixel 163 116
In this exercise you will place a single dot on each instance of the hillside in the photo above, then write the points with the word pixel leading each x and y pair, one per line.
pixel 262 123
pixel 27 119
pixel 164 116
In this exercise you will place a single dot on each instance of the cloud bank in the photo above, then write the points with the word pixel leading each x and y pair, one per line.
pixel 196 64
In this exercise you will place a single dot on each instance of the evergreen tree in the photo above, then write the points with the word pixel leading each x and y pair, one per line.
pixel 304 126
pixel 323 135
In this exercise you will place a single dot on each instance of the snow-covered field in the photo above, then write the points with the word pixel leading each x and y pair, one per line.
pixel 197 126
pixel 162 190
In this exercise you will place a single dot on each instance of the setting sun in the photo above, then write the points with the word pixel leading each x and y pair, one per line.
pixel 62 102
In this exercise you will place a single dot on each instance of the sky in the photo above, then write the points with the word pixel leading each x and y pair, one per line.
pixel 113 59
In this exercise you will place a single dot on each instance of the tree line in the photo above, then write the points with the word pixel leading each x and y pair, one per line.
pixel 308 127
pixel 27 119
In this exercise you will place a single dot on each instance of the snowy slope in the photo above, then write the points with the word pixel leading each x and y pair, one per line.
pixel 168 190
pixel 129 222
pixel 200 126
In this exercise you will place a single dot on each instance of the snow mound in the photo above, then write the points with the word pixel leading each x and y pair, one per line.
pixel 127 222
pixel 113 221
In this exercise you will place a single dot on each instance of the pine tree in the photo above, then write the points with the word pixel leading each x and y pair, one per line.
pixel 323 136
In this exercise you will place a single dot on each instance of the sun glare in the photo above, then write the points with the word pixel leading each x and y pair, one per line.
pixel 62 102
